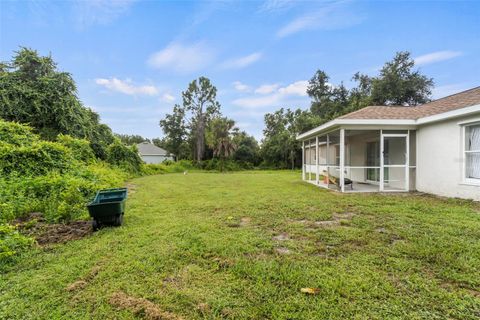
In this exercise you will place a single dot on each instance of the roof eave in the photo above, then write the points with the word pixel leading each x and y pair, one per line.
pixel 358 122
pixel 450 114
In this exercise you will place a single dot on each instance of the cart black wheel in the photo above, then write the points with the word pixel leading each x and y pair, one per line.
pixel 118 220
pixel 95 225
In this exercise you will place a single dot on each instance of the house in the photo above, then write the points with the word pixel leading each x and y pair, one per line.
pixel 150 153
pixel 433 148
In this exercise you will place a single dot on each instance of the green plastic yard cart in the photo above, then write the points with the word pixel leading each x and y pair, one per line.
pixel 108 207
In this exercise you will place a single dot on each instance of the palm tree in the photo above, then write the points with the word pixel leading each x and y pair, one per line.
pixel 219 138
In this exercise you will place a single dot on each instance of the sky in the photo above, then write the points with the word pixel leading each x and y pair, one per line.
pixel 132 59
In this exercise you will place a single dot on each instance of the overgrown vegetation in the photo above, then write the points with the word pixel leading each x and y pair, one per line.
pixel 55 178
pixel 34 91
pixel 243 245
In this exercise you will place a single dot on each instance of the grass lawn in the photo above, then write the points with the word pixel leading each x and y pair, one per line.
pixel 242 245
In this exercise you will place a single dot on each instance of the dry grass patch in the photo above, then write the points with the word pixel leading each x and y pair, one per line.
pixel 141 307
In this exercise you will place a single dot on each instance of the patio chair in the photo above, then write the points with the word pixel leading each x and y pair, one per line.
pixel 336 181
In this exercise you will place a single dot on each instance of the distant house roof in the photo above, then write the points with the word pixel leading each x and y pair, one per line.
pixel 147 148
pixel 456 101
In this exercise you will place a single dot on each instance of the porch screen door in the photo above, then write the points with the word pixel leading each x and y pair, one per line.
pixel 394 162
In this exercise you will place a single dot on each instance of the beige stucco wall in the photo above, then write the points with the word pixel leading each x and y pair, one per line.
pixel 440 161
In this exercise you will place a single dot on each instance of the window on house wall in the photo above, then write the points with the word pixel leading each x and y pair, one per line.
pixel 472 153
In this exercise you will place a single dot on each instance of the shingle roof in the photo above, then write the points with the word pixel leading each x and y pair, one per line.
pixel 147 148
pixel 456 101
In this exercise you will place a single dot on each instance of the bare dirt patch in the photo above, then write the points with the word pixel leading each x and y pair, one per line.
pixel 339 218
pixel 34 225
pixel 281 237
pixel 83 282
pixel 141 307
pixel 77 285
pixel 245 221
pixel 283 251
pixel 132 188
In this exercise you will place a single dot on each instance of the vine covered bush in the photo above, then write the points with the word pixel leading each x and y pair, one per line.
pixel 11 242
pixel 81 149
pixel 55 178
pixel 124 156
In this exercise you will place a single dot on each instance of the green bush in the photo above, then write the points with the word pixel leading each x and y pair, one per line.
pixel 216 164
pixel 124 156
pixel 36 158
pixel 16 133
pixel 55 178
pixel 167 167
pixel 11 242
pixel 58 196
pixel 81 149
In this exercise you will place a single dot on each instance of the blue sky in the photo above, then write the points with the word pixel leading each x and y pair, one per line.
pixel 132 59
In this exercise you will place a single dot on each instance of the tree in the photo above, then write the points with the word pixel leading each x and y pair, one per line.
pixel 328 101
pixel 399 84
pixel 280 147
pixel 33 91
pixel 131 139
pixel 200 100
pixel 396 84
pixel 248 149
pixel 185 127
pixel 175 131
pixel 220 137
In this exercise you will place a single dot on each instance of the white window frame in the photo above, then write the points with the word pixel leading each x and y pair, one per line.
pixel 470 181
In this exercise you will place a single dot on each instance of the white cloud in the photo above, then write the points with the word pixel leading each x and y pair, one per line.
pixel 266 88
pixel 436 57
pixel 239 86
pixel 298 88
pixel 126 86
pixel 331 17
pixel 242 62
pixel 183 58
pixel 167 97
pixel 88 13
pixel 277 96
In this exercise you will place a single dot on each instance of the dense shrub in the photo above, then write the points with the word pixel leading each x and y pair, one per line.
pixel 224 165
pixel 35 158
pixel 16 133
pixel 11 242
pixel 167 167
pixel 55 178
pixel 81 149
pixel 124 156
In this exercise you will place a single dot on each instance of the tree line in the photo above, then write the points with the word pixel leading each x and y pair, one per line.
pixel 197 130
pixel 34 91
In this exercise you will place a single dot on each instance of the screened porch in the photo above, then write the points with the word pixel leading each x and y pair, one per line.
pixel 358 160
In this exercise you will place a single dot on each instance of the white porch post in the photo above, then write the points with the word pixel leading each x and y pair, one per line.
pixel 309 160
pixel 316 159
pixel 303 160
pixel 342 159
pixel 407 169
pixel 382 170
pixel 328 160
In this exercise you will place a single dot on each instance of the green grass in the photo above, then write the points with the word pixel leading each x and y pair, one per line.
pixel 185 247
